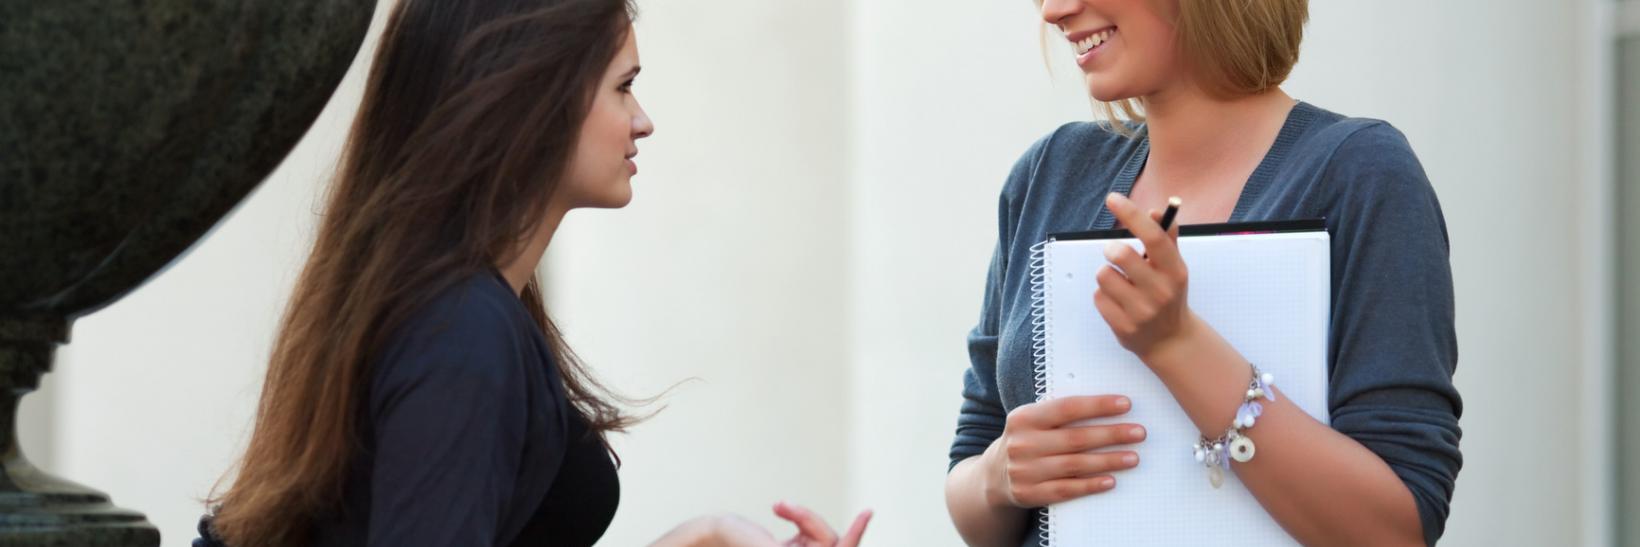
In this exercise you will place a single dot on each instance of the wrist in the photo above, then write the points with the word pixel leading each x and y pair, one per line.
pixel 1193 342
pixel 697 532
pixel 993 489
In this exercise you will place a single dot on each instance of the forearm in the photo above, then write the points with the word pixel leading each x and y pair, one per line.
pixel 1323 487
pixel 692 533
pixel 980 521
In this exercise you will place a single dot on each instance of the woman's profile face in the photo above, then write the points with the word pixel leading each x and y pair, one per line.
pixel 1125 48
pixel 601 169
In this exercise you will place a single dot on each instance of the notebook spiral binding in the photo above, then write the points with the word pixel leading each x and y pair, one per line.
pixel 1041 330
pixel 1040 322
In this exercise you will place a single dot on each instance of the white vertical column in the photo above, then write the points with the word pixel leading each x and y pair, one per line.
pixel 946 98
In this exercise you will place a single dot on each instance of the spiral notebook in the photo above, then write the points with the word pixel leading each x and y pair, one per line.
pixel 1266 288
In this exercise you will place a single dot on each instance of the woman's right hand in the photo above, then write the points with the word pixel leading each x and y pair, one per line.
pixel 812 531
pixel 1042 459
pixel 728 530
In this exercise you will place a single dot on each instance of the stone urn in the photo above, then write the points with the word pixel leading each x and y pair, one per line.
pixel 128 130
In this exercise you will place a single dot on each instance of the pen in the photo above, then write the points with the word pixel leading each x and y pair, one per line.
pixel 1173 204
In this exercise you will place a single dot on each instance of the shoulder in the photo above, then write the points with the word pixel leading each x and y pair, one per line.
pixel 1086 139
pixel 1071 148
pixel 474 330
pixel 480 302
pixel 1368 179
pixel 1365 155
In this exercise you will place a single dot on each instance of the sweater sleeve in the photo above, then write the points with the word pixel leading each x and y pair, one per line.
pixel 449 409
pixel 982 416
pixel 1393 346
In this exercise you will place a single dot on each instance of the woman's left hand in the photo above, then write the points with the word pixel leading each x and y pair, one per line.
pixel 1143 297
pixel 812 531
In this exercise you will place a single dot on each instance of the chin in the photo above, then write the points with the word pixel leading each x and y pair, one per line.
pixel 618 198
pixel 1106 93
pixel 1107 89
pixel 612 195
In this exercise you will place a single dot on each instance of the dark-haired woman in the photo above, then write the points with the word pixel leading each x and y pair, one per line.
pixel 417 393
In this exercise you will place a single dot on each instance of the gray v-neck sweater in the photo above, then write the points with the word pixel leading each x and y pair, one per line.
pixel 1392 346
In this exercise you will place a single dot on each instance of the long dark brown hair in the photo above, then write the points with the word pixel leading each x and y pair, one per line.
pixel 469 121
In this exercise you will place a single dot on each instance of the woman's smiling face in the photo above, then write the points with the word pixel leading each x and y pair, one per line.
pixel 1125 48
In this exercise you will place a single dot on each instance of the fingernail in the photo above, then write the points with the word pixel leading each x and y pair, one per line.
pixel 1130 460
pixel 1137 432
pixel 1123 403
pixel 1107 482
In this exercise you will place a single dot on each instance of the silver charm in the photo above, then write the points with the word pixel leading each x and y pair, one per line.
pixel 1215 476
pixel 1242 449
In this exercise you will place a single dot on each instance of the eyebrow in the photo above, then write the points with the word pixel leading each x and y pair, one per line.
pixel 633 72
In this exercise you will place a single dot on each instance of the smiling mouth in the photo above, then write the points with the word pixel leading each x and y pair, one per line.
pixel 1086 42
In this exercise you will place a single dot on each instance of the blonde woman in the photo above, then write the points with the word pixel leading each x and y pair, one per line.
pixel 1200 80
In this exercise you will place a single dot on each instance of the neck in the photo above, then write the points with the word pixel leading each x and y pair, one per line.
pixel 1192 132
pixel 521 268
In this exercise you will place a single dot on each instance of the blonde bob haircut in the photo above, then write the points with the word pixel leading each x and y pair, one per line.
pixel 1236 48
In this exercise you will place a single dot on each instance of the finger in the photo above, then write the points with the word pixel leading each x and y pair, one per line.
pixel 1078 439
pixel 1052 492
pixel 809 525
pixel 1134 267
pixel 1121 289
pixel 1113 313
pixel 1158 245
pixel 856 530
pixel 1053 413
pixel 1079 465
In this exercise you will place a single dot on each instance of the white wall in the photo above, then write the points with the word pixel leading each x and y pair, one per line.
pixel 727 267
pixel 946 101
pixel 809 239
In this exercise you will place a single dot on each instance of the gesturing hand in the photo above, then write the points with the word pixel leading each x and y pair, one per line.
pixel 1143 297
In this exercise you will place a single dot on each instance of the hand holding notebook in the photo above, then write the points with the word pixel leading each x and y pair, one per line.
pixel 1045 458
pixel 1267 294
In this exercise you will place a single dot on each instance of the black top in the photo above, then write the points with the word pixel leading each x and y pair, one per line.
pixel 468 437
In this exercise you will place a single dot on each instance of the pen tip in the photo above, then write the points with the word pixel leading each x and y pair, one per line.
pixel 1175 201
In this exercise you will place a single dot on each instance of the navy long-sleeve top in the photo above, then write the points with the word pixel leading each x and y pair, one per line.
pixel 468 437
pixel 1392 345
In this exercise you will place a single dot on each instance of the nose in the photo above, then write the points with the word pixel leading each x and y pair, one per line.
pixel 641 126
pixel 1055 12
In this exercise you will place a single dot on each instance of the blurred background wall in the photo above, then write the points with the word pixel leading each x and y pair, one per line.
pixel 809 238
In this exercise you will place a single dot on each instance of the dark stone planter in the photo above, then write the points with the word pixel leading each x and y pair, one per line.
pixel 127 130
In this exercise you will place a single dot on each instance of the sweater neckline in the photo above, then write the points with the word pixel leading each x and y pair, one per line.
pixel 1298 119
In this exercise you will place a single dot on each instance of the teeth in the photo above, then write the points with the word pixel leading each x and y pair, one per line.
pixel 1093 41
